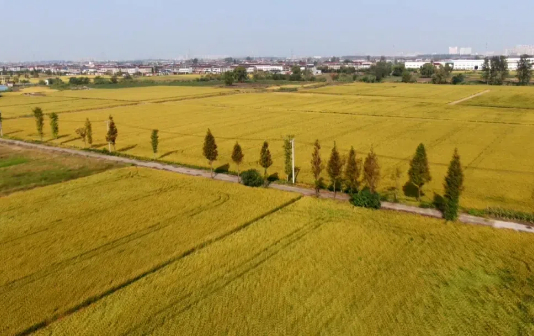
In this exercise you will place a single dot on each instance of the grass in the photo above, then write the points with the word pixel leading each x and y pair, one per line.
pixel 23 169
pixel 69 244
pixel 387 273
pixel 494 142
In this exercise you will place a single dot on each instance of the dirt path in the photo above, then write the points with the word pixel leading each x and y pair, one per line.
pixel 468 219
pixel 467 98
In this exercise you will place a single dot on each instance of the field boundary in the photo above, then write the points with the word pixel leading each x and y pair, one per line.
pixel 470 97
pixel 464 218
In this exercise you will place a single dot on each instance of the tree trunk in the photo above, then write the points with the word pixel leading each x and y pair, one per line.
pixel 418 193
pixel 238 176
pixel 109 146
pixel 334 189
pixel 211 168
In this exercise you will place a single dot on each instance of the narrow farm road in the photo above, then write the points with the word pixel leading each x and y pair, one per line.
pixel 464 218
pixel 467 98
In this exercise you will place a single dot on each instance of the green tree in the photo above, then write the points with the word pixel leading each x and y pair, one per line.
pixel 395 176
pixel 317 166
pixel 524 70
pixel 398 70
pixel 39 121
pixel 427 70
pixel 371 171
pixel 265 157
pixel 458 79
pixel 89 131
pixel 111 136
pixel 486 70
pixel 210 150
pixel 113 80
pixel 352 172
pixel 154 141
pixel 237 157
pixel 442 74
pixel 419 173
pixel 288 163
pixel 54 125
pixel 453 188
pixel 334 168
pixel 407 77
pixel 296 73
pixel 82 132
pixel 228 78
pixel 240 74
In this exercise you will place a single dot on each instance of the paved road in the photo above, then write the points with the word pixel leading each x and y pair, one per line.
pixel 468 219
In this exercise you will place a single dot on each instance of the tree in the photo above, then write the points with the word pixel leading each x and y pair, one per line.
pixel 228 78
pixel 524 70
pixel 210 149
pixel 113 80
pixel 39 121
pixel 396 175
pixel 398 70
pixel 1 131
pixel 82 132
pixel 240 74
pixel 89 131
pixel 334 168
pixel 352 172
pixel 237 157
pixel 380 70
pixel 154 141
pixel 288 162
pixel 111 136
pixel 296 73
pixel 407 77
pixel 265 157
pixel 458 79
pixel 486 70
pixel 453 188
pixel 419 173
pixel 427 70
pixel 54 126
pixel 442 74
pixel 317 166
pixel 371 171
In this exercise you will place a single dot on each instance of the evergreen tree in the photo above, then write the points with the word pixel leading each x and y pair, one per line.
pixel 265 157
pixel 371 171
pixel 524 70
pixel 111 136
pixel 54 126
pixel 419 173
pixel 453 188
pixel 317 166
pixel 39 121
pixel 210 149
pixel 288 166
pixel 334 168
pixel 352 172
pixel 237 157
pixel 486 70
pixel 154 141
pixel 82 132
pixel 89 132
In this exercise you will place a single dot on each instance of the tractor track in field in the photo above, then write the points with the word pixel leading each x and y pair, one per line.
pixel 468 98
pixel 89 301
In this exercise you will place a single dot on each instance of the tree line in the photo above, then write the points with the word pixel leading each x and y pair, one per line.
pixel 346 174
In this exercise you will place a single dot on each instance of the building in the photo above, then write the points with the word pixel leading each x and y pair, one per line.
pixel 467 65
pixel 453 50
pixel 414 64
pixel 520 50
pixel 466 51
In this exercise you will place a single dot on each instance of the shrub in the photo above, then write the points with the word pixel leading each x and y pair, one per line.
pixel 366 199
pixel 252 178
pixel 458 79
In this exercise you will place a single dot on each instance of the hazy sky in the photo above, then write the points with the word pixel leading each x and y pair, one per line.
pixel 133 29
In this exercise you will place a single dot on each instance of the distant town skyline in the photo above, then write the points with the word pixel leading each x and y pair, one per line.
pixel 135 29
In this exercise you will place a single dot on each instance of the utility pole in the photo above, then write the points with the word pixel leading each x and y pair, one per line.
pixel 293 159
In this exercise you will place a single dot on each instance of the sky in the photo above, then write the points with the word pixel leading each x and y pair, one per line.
pixel 140 29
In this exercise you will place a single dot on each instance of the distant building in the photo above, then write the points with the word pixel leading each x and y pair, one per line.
pixel 453 50
pixel 466 51
pixel 520 50
pixel 414 64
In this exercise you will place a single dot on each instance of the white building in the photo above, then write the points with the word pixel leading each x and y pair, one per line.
pixel 466 51
pixel 414 64
pixel 453 50
pixel 467 65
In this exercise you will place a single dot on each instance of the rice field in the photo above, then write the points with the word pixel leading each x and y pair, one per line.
pixel 495 143
pixel 387 273
pixel 71 243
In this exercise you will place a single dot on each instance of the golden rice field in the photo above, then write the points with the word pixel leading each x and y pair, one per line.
pixel 142 252
pixel 68 244
pixel 495 143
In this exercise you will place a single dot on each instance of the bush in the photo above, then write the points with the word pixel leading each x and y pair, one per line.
pixel 458 79
pixel 366 199
pixel 252 178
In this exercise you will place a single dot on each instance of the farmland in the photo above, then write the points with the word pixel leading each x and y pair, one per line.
pixel 87 237
pixel 142 252
pixel 493 137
